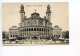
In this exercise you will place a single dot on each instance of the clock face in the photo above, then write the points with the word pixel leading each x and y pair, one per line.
pixel 34 22
pixel 22 9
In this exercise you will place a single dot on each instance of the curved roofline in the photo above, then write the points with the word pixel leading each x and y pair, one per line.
pixel 34 13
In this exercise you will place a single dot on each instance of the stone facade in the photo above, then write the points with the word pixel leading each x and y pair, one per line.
pixel 57 32
pixel 34 27
pixel 13 32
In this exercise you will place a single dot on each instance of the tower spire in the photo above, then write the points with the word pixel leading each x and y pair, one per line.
pixel 22 7
pixel 22 12
pixel 48 13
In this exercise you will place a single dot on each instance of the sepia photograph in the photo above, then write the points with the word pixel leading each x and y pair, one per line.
pixel 35 23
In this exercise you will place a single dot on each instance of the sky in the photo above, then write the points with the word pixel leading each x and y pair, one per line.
pixel 59 13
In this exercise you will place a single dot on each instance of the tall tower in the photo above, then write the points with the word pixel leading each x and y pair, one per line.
pixel 22 12
pixel 48 13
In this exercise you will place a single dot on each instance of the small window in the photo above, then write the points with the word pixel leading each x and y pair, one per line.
pixel 40 29
pixel 11 35
pixel 34 29
pixel 27 29
pixel 21 30
pixel 37 29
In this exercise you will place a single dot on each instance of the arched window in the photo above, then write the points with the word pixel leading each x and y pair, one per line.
pixel 37 29
pixel 11 35
pixel 59 35
pixel 34 29
pixel 27 29
pixel 40 29
pixel 30 29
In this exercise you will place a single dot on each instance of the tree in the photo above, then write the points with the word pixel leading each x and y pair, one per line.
pixel 67 34
pixel 4 35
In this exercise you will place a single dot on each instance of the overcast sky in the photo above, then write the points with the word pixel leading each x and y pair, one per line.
pixel 59 13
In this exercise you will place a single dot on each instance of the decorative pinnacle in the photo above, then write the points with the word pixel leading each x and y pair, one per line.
pixel 35 10
pixel 22 5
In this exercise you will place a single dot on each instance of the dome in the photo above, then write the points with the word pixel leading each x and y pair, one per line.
pixel 14 27
pixel 35 15
pixel 57 27
pixel 48 6
pixel 22 6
